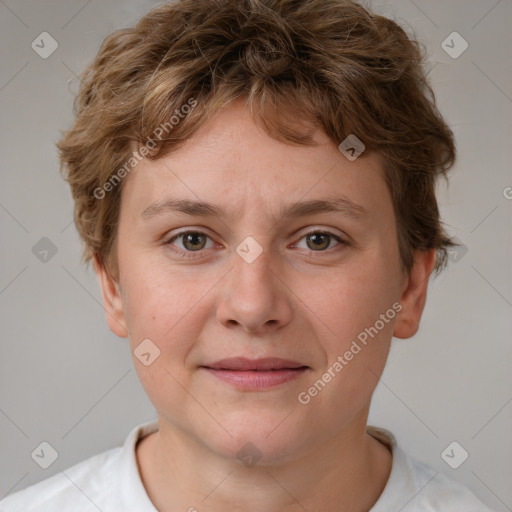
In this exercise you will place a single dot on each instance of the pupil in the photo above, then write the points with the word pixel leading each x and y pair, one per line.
pixel 191 240
pixel 316 239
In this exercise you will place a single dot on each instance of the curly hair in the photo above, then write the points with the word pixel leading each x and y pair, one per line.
pixel 332 63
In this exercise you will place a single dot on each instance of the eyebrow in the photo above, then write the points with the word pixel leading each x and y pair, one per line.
pixel 341 205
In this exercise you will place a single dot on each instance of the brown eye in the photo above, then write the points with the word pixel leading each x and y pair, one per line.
pixel 193 241
pixel 318 240
pixel 189 241
pixel 321 242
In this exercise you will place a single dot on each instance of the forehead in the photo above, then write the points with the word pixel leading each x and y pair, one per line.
pixel 231 165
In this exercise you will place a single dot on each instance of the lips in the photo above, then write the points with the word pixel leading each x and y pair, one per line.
pixel 256 374
pixel 263 364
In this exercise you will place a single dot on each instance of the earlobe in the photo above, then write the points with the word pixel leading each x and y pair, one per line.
pixel 112 301
pixel 414 294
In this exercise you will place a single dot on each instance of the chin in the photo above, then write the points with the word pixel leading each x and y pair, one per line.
pixel 260 435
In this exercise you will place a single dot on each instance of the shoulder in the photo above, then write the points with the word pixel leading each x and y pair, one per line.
pixel 99 482
pixel 416 487
pixel 69 488
pixel 440 492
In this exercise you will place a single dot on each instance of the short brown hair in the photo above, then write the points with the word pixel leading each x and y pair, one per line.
pixel 331 63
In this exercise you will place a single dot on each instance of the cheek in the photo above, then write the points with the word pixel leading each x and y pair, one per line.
pixel 156 300
pixel 171 317
pixel 170 309
pixel 354 315
pixel 352 300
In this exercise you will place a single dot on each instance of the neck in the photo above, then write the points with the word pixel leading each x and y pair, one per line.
pixel 347 472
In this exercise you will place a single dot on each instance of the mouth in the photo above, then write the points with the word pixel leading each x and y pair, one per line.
pixel 263 364
pixel 255 374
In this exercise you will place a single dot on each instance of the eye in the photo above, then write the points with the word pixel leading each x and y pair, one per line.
pixel 191 241
pixel 195 241
pixel 319 241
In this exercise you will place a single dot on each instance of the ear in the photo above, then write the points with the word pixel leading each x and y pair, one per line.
pixel 112 302
pixel 414 294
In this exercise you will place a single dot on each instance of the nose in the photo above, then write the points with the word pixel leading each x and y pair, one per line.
pixel 254 296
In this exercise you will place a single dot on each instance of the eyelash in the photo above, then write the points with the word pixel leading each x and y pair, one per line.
pixel 189 254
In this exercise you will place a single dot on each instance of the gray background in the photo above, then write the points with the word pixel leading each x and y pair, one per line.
pixel 67 380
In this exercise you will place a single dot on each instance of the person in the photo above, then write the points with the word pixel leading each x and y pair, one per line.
pixel 254 182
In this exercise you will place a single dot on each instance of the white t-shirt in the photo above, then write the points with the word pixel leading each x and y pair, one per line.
pixel 111 482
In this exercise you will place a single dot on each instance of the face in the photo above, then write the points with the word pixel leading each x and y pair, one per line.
pixel 250 276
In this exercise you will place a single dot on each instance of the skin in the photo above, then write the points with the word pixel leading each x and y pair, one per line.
pixel 295 301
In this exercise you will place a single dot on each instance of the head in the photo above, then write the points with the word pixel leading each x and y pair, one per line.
pixel 243 105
